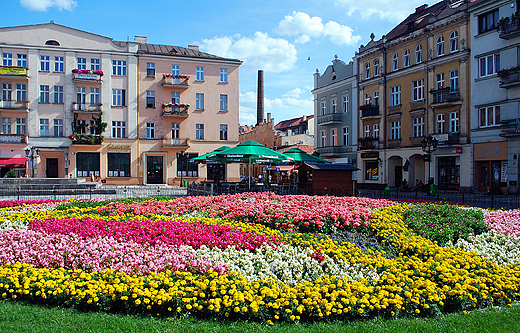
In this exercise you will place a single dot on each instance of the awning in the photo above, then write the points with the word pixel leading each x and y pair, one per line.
pixel 14 162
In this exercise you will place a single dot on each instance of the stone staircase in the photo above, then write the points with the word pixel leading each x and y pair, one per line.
pixel 47 186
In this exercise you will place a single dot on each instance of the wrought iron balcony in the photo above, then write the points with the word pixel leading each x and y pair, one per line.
pixel 368 143
pixel 169 142
pixel 331 118
pixel 86 139
pixel 509 77
pixel 509 28
pixel 12 105
pixel 87 75
pixel 175 110
pixel 86 108
pixel 13 138
pixel 510 128
pixel 180 80
pixel 370 111
pixel 445 97
pixel 331 151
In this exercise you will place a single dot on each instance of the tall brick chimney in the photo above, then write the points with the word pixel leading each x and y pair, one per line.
pixel 260 98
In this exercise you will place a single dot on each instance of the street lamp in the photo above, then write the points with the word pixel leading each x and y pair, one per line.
pixel 31 153
pixel 429 145
pixel 180 158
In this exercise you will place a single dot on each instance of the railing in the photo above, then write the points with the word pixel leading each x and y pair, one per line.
pixel 176 111
pixel 176 81
pixel 207 189
pixel 330 118
pixel 510 29
pixel 368 143
pixel 13 138
pixel 510 128
pixel 445 95
pixel 169 142
pixel 509 78
pixel 86 139
pixel 86 77
pixel 86 108
pixel 332 150
pixel 370 111
pixel 8 104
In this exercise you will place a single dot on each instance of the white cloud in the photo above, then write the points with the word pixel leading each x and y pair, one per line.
pixel 44 5
pixel 296 92
pixel 385 9
pixel 304 27
pixel 258 52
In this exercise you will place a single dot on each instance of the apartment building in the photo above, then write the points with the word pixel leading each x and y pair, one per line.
pixel 296 131
pixel 336 112
pixel 495 89
pixel 414 84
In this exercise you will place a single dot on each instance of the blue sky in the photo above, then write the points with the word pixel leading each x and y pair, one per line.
pixel 288 39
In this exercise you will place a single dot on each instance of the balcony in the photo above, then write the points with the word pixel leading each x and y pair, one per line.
pixel 331 118
pixel 333 151
pixel 169 142
pixel 510 128
pixel 179 81
pixel 87 75
pixel 370 111
pixel 368 143
pixel 13 71
pixel 175 110
pixel 509 77
pixel 86 139
pixel 86 108
pixel 13 138
pixel 445 97
pixel 12 105
pixel 447 138
pixel 509 28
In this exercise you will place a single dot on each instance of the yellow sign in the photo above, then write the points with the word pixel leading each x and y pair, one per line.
pixel 5 70
pixel 120 147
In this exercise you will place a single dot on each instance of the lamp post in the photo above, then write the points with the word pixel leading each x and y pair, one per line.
pixel 180 158
pixel 31 153
pixel 429 145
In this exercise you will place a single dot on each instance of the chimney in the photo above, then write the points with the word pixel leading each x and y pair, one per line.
pixel 268 117
pixel 141 39
pixel 304 119
pixel 260 98
pixel 418 9
pixel 194 47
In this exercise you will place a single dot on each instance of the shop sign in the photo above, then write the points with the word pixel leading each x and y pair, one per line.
pixel 119 147
pixel 503 173
pixel 458 150
pixel 13 70
pixel 441 137
pixel 374 154
pixel 490 151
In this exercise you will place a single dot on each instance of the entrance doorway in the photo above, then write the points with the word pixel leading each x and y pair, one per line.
pixel 398 175
pixel 51 168
pixel 154 169
pixel 217 172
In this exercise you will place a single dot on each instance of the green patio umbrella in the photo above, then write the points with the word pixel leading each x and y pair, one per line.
pixel 207 158
pixel 300 156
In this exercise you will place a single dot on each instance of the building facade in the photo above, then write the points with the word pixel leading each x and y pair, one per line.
pixel 336 112
pixel 495 81
pixel 296 131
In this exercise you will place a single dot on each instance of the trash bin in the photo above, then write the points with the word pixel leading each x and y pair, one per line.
pixel 387 193
pixel 432 190
pixel 184 183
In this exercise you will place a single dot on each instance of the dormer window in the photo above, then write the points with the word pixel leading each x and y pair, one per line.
pixel 52 42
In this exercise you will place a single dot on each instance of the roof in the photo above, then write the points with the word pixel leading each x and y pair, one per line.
pixel 331 166
pixel 245 129
pixel 292 122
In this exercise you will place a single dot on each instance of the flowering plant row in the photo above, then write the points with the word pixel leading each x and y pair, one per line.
pixel 88 71
pixel 177 76
pixel 176 105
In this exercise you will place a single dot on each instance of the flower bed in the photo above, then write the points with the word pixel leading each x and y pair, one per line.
pixel 246 259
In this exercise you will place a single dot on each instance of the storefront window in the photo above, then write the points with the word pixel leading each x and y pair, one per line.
pixel 87 164
pixel 449 173
pixel 371 170
pixel 186 168
pixel 118 164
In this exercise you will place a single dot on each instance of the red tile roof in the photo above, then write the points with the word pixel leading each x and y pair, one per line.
pixel 291 122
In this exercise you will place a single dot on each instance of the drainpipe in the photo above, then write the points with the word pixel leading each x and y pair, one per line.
pixel 137 124
pixel 385 106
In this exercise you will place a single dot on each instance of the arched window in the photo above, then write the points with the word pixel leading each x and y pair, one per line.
pixel 454 41
pixel 52 42
pixel 418 54
pixel 367 70
pixel 376 67
pixel 395 62
pixel 406 58
pixel 440 46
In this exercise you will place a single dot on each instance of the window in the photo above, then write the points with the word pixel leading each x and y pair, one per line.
pixel 345 103
pixel 371 170
pixel 323 108
pixel 81 126
pixel 7 59
pixel 150 69
pixel 187 169
pixel 418 127
pixel 366 131
pixel 375 131
pixel 489 65
pixel 488 22
pixel 200 73
pixel 323 137
pixel 44 94
pixel 375 97
pixel 20 126
pixel 119 67
pixel 87 164
pixel 418 90
pixel 454 80
pixel 118 97
pixel 6 125
pixel 406 58
pixel 439 78
pixel 6 92
pixel 439 126
pixel 21 60
pixel 490 116
pixel 118 164
pixel 223 75
pixel 150 99
pixel 199 131
pixel 366 99
pixel 223 102
pixel 333 105
pixel 418 54
pixel 176 97
pixel 44 127
pixel 334 136
pixel 94 64
pixel 176 70
pixel 376 67
pixel 150 130
pixel 81 98
pixel 395 96
pixel 94 96
pixel 58 127
pixel 176 127
pixel 346 136
pixel 395 130
pixel 367 70
pixel 454 122
pixel 58 94
pixel 440 46
pixel 58 64
pixel 21 92
pixel 223 132
pixel 199 101
pixel 119 129
pixel 454 41
pixel 82 63
pixel 395 62
pixel 45 63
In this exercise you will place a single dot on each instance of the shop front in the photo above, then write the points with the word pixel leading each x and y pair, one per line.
pixel 491 174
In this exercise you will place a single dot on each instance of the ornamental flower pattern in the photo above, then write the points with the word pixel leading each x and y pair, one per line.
pixel 88 71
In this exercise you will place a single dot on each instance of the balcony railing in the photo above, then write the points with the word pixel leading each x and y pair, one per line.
pixel 510 128
pixel 333 150
pixel 86 108
pixel 86 77
pixel 13 138
pixel 171 80
pixel 169 142
pixel 331 118
pixel 368 143
pixel 7 104
pixel 86 139
pixel 13 71
pixel 509 28
pixel 370 111
pixel 445 97
pixel 176 110
pixel 509 77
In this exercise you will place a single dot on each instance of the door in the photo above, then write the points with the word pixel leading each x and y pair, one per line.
pixel 154 169
pixel 52 168
pixel 398 171
pixel 484 177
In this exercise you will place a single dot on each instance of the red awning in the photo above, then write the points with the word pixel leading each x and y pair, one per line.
pixel 14 162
